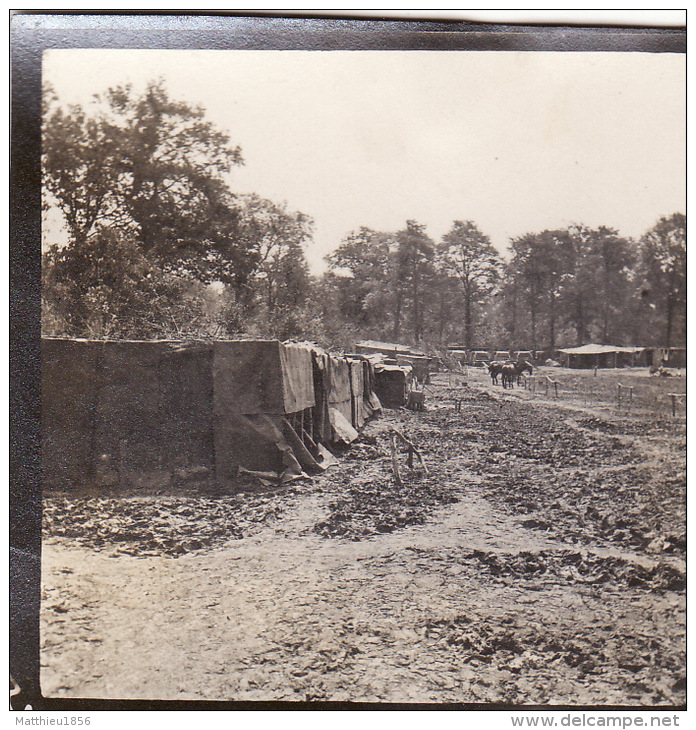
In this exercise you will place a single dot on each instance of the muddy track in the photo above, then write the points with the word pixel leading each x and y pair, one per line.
pixel 506 575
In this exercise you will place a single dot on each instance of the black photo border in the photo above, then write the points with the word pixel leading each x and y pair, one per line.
pixel 33 32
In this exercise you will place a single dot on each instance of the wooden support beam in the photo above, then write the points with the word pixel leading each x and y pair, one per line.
pixel 395 463
pixel 411 446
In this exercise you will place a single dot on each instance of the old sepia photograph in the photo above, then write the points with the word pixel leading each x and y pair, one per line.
pixel 363 376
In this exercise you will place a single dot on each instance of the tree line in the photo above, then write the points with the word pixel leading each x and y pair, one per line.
pixel 159 247
pixel 555 288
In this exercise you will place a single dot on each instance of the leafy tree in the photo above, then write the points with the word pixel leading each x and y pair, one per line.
pixel 595 266
pixel 105 287
pixel 140 182
pixel 140 163
pixel 663 257
pixel 446 303
pixel 274 238
pixel 171 167
pixel 529 273
pixel 617 259
pixel 467 254
pixel 79 161
pixel 534 281
pixel 358 270
pixel 413 270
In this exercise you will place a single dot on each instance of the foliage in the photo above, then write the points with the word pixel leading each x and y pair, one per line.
pixel 663 258
pixel 140 182
pixel 413 270
pixel 559 287
pixel 104 287
pixel 467 255
pixel 160 247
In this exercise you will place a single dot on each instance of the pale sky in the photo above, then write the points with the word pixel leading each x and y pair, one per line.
pixel 516 142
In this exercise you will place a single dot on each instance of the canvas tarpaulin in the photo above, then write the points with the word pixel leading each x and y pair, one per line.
pixel 322 387
pixel 124 412
pixel 186 405
pixel 371 404
pixel 128 416
pixel 252 442
pixel 298 380
pixel 339 387
pixel 343 430
pixel 262 376
pixel 138 413
pixel 257 383
pixel 602 356
pixel 357 390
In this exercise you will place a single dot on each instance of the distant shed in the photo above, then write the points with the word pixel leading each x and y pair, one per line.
pixel 392 384
pixel 389 349
pixel 404 355
pixel 600 356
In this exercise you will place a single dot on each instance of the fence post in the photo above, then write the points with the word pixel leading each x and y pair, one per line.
pixel 555 388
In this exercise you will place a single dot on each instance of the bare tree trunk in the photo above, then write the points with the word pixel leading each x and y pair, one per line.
pixel 532 311
pixel 552 323
pixel 605 324
pixel 467 320
pixel 397 314
pixel 605 309
pixel 441 318
pixel 580 322
pixel 416 306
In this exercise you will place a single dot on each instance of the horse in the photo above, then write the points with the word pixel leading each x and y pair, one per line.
pixel 522 366
pixel 494 369
pixel 508 373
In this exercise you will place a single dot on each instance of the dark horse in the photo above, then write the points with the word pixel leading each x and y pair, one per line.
pixel 522 366
pixel 511 372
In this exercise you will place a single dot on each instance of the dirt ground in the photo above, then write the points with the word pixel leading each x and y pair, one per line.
pixel 540 561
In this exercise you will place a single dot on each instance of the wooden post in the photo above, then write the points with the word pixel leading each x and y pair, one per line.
pixel 555 388
pixel 395 464
pixel 394 432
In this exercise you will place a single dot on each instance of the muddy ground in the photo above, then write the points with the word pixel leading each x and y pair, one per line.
pixel 540 561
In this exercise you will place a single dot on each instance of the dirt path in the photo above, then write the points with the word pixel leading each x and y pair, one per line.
pixel 470 606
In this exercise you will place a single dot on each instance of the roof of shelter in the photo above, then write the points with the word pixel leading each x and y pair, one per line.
pixel 599 349
pixel 392 346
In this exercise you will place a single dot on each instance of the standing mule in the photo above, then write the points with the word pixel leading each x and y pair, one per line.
pixel 494 369
pixel 508 373
pixel 522 366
